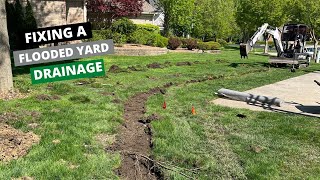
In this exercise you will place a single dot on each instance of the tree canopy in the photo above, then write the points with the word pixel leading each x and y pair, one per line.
pixel 117 8
pixel 229 18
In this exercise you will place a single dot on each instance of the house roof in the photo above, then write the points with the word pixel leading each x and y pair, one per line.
pixel 150 6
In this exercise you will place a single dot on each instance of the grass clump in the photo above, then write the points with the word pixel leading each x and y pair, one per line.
pixel 61 88
pixel 80 99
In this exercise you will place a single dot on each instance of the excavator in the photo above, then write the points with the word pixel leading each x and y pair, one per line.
pixel 289 43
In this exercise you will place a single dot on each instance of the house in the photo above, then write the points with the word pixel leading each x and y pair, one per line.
pixel 57 12
pixel 60 12
pixel 151 14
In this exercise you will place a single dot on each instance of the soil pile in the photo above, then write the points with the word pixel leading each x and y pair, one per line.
pixel 15 143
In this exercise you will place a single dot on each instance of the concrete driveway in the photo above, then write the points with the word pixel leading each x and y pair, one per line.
pixel 300 95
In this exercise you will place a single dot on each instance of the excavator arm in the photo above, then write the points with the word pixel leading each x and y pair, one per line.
pixel 265 28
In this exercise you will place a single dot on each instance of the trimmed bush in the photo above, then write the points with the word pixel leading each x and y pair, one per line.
pixel 174 43
pixel 107 34
pixel 209 45
pixel 161 41
pixel 214 45
pixel 119 38
pixel 157 40
pixel 123 26
pixel 222 42
pixel 101 35
pixel 139 37
pixel 203 46
pixel 149 27
pixel 148 38
pixel 191 44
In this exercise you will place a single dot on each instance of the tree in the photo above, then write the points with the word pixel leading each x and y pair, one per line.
pixel 307 12
pixel 6 83
pixel 179 16
pixel 115 8
pixel 214 18
pixel 30 20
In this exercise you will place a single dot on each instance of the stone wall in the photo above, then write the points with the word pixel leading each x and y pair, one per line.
pixel 140 51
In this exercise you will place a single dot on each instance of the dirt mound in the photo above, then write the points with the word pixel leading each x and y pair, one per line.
pixel 15 143
pixel 221 61
pixel 136 68
pixel 154 65
pixel 45 97
pixel 81 82
pixel 187 63
pixel 116 69
pixel 12 95
pixel 132 68
pixel 8 116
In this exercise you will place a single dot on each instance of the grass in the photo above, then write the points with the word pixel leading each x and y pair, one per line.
pixel 215 141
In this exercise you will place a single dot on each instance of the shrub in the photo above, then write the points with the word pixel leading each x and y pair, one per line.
pixel 123 26
pixel 149 27
pixel 139 37
pixel 191 43
pixel 183 42
pixel 222 42
pixel 151 39
pixel 209 45
pixel 203 46
pixel 214 45
pixel 157 40
pixel 99 25
pixel 119 38
pixel 174 43
pixel 161 41
pixel 101 35
pixel 145 37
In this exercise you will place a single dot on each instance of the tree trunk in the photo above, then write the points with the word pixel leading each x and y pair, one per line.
pixel 6 83
pixel 315 44
pixel 266 47
pixel 166 31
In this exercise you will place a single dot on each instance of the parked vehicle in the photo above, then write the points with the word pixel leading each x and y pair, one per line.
pixel 310 50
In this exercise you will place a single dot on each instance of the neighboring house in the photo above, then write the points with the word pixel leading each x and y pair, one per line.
pixel 151 14
pixel 58 12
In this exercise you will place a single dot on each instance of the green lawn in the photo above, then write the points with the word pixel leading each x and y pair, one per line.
pixel 215 143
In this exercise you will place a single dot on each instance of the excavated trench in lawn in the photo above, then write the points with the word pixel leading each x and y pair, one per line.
pixel 134 140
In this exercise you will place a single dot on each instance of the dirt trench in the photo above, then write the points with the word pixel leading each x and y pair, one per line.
pixel 135 140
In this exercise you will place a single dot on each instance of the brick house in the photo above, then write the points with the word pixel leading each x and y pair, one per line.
pixel 60 12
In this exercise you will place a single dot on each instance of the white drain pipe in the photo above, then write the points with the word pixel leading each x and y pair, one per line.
pixel 249 98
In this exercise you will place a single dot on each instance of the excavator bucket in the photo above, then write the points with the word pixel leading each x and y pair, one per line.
pixel 244 50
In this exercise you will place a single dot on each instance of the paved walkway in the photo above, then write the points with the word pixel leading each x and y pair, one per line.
pixel 300 95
